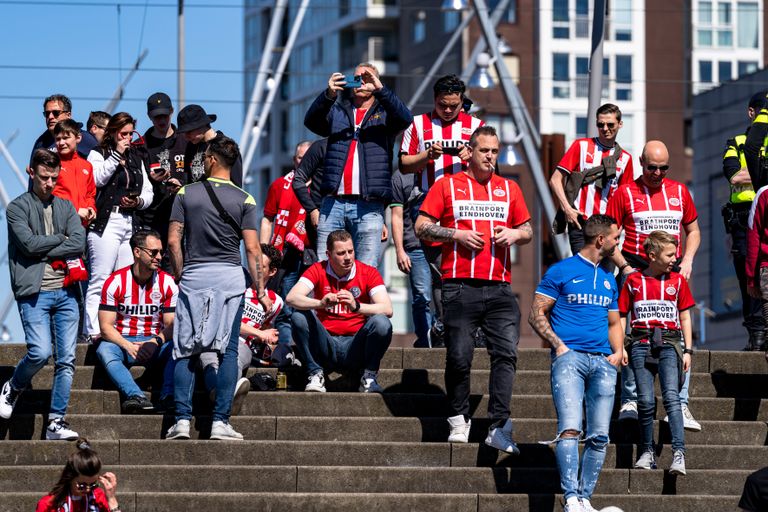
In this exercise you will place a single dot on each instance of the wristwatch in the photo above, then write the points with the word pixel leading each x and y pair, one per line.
pixel 357 306
pixel 158 339
pixel 688 351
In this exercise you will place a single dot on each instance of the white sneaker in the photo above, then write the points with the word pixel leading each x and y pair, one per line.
pixel 689 422
pixel 573 505
pixel 368 383
pixel 587 506
pixel 647 460
pixel 316 383
pixel 459 429
pixel 628 411
pixel 242 388
pixel 8 398
pixel 58 430
pixel 678 463
pixel 179 430
pixel 224 432
pixel 501 438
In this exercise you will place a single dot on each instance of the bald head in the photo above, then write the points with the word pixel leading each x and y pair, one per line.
pixel 655 162
pixel 655 149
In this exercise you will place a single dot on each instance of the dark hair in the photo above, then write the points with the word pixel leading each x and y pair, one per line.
pixel 225 150
pixel 609 108
pixel 340 235
pixel 45 157
pixel 490 131
pixel 69 126
pixel 597 225
pixel 116 123
pixel 97 117
pixel 275 256
pixel 140 237
pixel 449 84
pixel 65 102
pixel 85 461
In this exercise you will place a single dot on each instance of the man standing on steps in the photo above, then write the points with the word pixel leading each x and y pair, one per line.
pixel 480 215
pixel 575 309
pixel 211 217
pixel 43 232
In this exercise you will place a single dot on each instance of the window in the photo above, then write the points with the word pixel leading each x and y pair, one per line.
pixel 561 88
pixel 705 71
pixel 581 126
pixel 511 16
pixel 705 13
pixel 419 28
pixel 451 20
pixel 747 15
pixel 724 13
pixel 621 16
pixel 561 123
pixel 724 71
pixel 582 19
pixel 746 67
pixel 560 25
pixel 624 77
pixel 724 38
pixel 582 77
pixel 705 37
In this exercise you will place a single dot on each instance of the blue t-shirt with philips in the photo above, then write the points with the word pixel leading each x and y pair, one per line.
pixel 583 293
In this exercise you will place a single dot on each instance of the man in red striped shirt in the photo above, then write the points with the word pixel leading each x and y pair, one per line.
pixel 136 320
pixel 480 215
pixel 586 154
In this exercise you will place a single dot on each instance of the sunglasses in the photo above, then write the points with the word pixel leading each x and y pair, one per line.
pixel 83 486
pixel 662 168
pixel 450 89
pixel 56 113
pixel 610 126
pixel 153 253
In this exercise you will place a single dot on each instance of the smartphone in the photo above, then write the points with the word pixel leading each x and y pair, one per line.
pixel 353 82
pixel 452 151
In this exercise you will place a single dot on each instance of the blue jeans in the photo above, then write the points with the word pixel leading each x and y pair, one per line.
pixel 579 377
pixel 184 378
pixel 363 219
pixel 317 349
pixel 421 295
pixel 629 386
pixel 43 314
pixel 283 320
pixel 668 378
pixel 116 362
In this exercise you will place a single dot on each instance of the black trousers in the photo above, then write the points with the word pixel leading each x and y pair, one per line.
pixel 750 308
pixel 490 305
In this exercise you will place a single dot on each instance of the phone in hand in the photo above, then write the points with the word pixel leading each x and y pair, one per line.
pixel 353 82
pixel 451 151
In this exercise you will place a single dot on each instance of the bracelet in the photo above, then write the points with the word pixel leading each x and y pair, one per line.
pixel 625 265
pixel 688 351
pixel 357 306
pixel 115 509
pixel 158 340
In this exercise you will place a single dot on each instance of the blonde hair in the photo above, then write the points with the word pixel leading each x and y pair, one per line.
pixel 656 242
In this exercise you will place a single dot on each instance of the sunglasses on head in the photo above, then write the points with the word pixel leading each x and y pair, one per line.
pixel 56 113
pixel 610 126
pixel 450 89
pixel 662 168
pixel 83 486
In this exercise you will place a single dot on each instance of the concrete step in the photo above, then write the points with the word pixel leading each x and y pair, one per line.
pixel 406 429
pixel 385 502
pixel 528 359
pixel 328 479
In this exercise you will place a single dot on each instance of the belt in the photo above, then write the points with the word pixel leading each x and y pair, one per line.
pixel 120 209
pixel 349 197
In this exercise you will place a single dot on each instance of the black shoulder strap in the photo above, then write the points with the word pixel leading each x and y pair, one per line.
pixel 224 214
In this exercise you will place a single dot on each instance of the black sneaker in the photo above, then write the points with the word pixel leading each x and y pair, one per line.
pixel 166 405
pixel 137 404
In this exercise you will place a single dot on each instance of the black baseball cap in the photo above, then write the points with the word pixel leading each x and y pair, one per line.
pixel 159 104
pixel 759 100
pixel 193 117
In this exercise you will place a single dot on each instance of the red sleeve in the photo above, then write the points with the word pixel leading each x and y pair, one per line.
pixel 273 198
pixel 615 207
pixel 410 144
pixel 689 209
pixel 109 298
pixel 101 500
pixel 90 187
pixel 625 297
pixel 684 296
pixel 44 505
pixel 570 161
pixel 518 210
pixel 754 233
pixel 313 273
pixel 373 278
pixel 434 203
pixel 629 172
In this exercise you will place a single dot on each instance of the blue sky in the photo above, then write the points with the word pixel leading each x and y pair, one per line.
pixel 77 48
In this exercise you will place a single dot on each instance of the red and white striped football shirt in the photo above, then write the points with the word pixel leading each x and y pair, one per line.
pixel 350 180
pixel 139 308
pixel 429 128
pixel 640 209
pixel 284 208
pixel 655 301
pixel 253 311
pixel 586 154
pixel 460 202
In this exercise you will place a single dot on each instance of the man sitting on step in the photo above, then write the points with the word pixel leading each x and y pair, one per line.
pixel 136 320
pixel 345 324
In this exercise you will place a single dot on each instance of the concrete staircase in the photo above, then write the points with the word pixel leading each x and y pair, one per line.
pixel 344 451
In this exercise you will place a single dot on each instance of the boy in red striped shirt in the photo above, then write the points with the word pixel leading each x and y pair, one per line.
pixel 660 301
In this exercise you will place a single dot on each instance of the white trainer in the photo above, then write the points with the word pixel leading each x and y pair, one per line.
pixel 224 432
pixel 316 383
pixel 459 429
pixel 369 384
pixel 58 430
pixel 628 411
pixel 689 422
pixel 242 388
pixel 179 430
pixel 8 398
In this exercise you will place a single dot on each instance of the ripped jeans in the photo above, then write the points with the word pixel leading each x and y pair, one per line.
pixel 579 377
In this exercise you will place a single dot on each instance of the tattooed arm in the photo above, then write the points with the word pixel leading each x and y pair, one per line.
pixel 175 235
pixel 519 235
pixel 253 255
pixel 540 322
pixel 428 229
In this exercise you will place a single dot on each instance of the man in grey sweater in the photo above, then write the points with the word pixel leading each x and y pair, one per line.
pixel 44 232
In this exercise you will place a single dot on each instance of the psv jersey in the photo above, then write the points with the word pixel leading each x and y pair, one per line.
pixel 586 154
pixel 641 210
pixel 363 282
pixel 655 301
pixel 139 308
pixel 253 312
pixel 427 129
pixel 289 217
pixel 460 202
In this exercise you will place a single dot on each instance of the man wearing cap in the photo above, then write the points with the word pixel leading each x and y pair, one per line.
pixel 195 124
pixel 165 147
pixel 56 108
pixel 736 215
